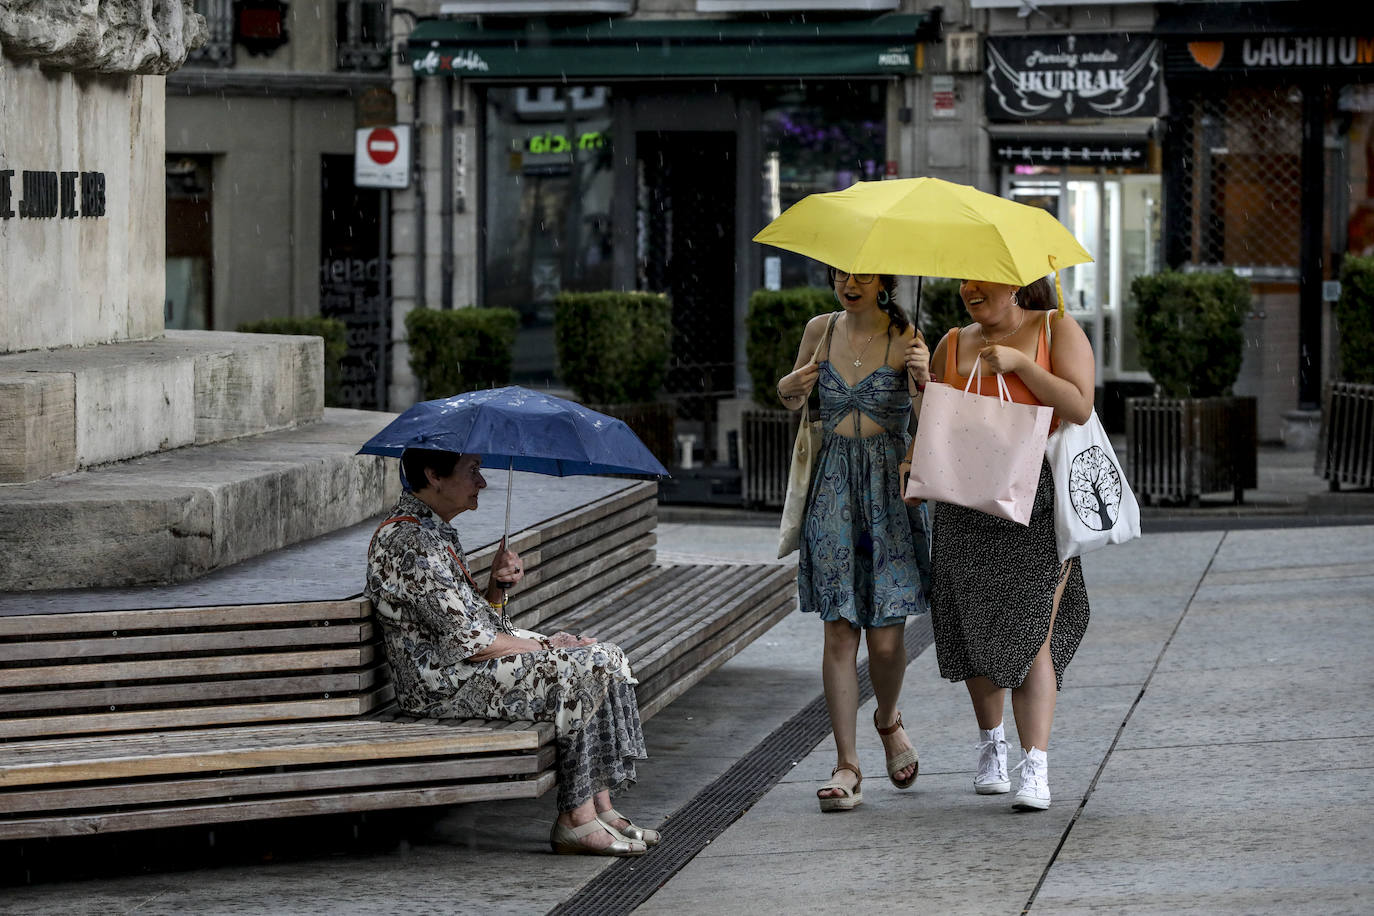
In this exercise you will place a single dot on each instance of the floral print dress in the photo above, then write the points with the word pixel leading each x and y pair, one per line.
pixel 865 554
pixel 434 619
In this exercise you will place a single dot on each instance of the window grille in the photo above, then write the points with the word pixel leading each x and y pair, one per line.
pixel 362 30
pixel 1238 189
pixel 218 50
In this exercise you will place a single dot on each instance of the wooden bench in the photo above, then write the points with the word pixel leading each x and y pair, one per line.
pixel 122 720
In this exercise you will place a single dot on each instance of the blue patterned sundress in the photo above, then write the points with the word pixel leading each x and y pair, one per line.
pixel 865 554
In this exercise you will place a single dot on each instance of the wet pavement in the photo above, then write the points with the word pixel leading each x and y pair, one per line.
pixel 1208 756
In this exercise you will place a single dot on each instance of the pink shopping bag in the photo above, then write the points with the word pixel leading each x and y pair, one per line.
pixel 980 452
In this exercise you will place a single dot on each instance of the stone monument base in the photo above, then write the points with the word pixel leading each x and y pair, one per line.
pixel 174 515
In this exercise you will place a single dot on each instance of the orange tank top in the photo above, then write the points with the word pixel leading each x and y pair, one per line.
pixel 986 384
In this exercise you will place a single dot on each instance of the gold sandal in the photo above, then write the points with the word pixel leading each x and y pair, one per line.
pixel 851 798
pixel 567 841
pixel 631 832
pixel 906 758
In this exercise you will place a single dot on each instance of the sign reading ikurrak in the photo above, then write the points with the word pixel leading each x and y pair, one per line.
pixel 1072 76
pixel 49 195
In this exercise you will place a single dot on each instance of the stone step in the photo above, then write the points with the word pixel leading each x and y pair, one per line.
pixel 175 515
pixel 64 410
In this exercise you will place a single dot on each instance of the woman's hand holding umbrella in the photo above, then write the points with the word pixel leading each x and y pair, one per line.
pixel 506 571
pixel 917 364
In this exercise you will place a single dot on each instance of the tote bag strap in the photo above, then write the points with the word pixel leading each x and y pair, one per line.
pixel 815 358
pixel 1003 392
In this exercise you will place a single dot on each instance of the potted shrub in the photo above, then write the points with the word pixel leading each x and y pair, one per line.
pixel 457 350
pixel 774 327
pixel 1345 444
pixel 613 349
pixel 1193 436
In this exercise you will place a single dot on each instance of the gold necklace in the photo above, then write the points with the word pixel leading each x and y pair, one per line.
pixel 984 334
pixel 859 358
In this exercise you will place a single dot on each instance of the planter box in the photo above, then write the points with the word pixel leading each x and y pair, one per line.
pixel 1345 444
pixel 1180 448
pixel 652 422
pixel 766 438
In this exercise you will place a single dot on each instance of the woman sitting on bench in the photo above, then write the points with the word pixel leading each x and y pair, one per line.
pixel 454 654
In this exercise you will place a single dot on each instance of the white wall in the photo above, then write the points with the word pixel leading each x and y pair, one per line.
pixel 75 281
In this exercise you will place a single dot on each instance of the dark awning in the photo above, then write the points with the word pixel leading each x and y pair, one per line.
pixel 611 48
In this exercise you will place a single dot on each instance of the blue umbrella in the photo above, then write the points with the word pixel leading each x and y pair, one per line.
pixel 520 430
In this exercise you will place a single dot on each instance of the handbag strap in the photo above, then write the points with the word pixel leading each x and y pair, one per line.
pixel 1003 392
pixel 815 358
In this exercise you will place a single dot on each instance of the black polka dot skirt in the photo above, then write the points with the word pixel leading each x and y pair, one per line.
pixel 994 584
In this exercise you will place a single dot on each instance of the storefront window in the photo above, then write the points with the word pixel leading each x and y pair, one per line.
pixel 1115 216
pixel 548 208
pixel 818 137
pixel 1357 104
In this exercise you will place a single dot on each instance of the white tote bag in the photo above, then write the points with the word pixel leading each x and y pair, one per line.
pixel 1093 504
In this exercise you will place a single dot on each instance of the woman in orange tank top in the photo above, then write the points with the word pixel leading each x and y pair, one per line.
pixel 1006 613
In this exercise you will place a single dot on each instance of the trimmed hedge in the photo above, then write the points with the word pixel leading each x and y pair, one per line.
pixel 335 334
pixel 941 309
pixel 1355 319
pixel 774 327
pixel 1190 330
pixel 457 350
pixel 613 347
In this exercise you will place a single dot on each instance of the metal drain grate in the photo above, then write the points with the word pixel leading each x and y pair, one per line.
pixel 627 883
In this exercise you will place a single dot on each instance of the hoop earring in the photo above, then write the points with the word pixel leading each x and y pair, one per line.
pixel 883 297
pixel 1014 302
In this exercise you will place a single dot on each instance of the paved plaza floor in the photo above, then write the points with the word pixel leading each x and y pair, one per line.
pixel 1208 756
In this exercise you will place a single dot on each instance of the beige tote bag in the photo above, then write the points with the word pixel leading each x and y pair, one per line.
pixel 803 469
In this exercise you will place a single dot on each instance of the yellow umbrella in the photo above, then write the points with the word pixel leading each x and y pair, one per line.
pixel 926 227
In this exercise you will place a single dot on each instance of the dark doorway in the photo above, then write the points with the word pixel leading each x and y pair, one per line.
pixel 351 282
pixel 190 244
pixel 686 216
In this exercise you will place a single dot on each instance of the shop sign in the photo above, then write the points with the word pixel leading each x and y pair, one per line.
pixel 1277 52
pixel 942 97
pixel 1091 152
pixel 1072 76
pixel 558 143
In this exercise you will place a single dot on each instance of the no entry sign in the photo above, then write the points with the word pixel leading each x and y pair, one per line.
pixel 381 157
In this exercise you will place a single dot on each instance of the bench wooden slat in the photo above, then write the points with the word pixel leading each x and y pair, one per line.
pixel 29 625
pixel 208 750
pixel 186 643
pixel 193 716
pixel 627 562
pixel 431 770
pixel 200 691
pixel 206 666
pixel 710 595
pixel 743 598
pixel 557 572
pixel 296 806
pixel 671 684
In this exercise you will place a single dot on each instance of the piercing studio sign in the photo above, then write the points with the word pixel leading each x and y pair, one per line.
pixel 1057 77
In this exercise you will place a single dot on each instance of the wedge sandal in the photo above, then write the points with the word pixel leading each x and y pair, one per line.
pixel 906 758
pixel 851 798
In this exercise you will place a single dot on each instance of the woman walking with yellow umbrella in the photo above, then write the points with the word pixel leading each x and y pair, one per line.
pixel 1006 613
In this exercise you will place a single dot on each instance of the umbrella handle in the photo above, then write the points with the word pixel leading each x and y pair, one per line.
pixel 505 532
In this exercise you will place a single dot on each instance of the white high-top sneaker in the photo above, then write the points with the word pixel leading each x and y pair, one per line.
pixel 991 778
pixel 1034 791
